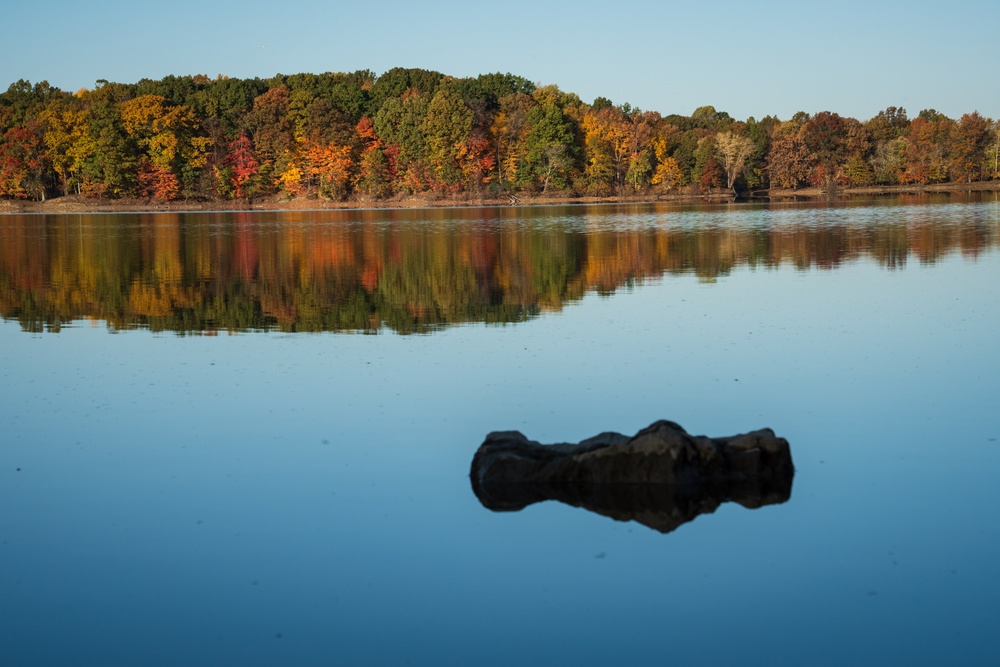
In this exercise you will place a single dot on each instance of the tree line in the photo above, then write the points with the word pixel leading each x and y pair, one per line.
pixel 359 136
pixel 163 273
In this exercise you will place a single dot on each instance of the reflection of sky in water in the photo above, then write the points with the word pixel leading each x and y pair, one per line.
pixel 189 499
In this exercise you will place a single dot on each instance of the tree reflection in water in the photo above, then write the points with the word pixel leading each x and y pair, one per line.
pixel 415 271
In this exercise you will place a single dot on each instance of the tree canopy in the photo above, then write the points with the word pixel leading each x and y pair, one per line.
pixel 411 131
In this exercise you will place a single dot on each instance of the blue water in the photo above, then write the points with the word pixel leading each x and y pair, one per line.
pixel 267 498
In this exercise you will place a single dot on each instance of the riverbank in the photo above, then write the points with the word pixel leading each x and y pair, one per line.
pixel 79 204
pixel 876 190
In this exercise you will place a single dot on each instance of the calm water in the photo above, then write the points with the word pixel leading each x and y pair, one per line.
pixel 246 438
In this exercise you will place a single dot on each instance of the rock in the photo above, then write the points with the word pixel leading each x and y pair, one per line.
pixel 662 477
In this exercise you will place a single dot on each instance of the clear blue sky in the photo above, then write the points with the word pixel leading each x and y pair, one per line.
pixel 750 59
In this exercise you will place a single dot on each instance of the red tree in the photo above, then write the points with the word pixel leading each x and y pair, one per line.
pixel 245 167
pixel 22 163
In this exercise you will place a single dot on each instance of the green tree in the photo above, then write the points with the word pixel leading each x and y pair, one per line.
pixel 550 151
pixel 446 127
pixel 484 91
pixel 396 82
pixel 25 100
pixel 759 132
pixel 993 151
pixel 106 158
pixel 399 123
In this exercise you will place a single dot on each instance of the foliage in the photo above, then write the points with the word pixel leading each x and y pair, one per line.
pixel 732 151
pixel 409 131
pixel 244 170
pixel 22 163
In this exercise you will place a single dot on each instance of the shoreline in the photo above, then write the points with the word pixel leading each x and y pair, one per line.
pixel 79 204
pixel 875 190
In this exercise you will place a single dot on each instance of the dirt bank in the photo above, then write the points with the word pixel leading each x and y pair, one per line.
pixel 77 204
pixel 914 189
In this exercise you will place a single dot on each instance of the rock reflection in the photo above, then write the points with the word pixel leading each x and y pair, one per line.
pixel 660 478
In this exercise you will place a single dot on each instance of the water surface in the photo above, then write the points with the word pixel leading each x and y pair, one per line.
pixel 241 474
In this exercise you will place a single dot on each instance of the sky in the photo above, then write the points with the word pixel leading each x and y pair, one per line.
pixel 854 58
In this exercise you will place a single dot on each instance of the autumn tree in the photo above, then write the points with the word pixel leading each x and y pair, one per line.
pixel 510 129
pixel 105 156
pixel 667 174
pixel 887 161
pixel 969 143
pixel 23 162
pixel 606 150
pixel 709 171
pixel 446 127
pixel 63 126
pixel 824 136
pixel 926 159
pixel 270 130
pixel 789 161
pixel 168 139
pixel 641 127
pixel 732 151
pixel 888 125
pixel 329 168
pixel 413 130
pixel 376 167
pixel 242 169
pixel 399 123
pixel 856 169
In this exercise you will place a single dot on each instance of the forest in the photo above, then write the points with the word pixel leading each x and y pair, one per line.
pixel 367 138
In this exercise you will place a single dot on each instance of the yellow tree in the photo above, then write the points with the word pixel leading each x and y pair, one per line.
pixel 668 173
pixel 732 151
pixel 168 138
pixel 64 127
pixel 607 144
pixel 446 128
pixel 510 131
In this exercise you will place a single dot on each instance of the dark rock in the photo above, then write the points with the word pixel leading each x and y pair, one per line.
pixel 662 477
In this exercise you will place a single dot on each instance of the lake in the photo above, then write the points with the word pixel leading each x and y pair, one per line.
pixel 245 438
